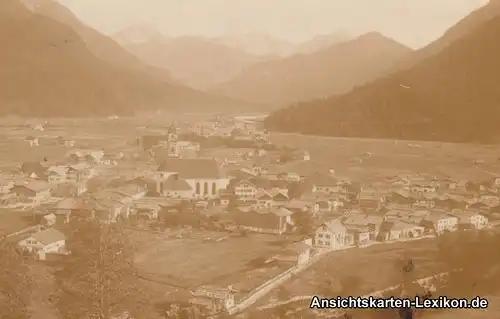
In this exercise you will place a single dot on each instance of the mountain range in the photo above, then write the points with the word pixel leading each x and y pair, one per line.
pixel 52 65
pixel 449 92
pixel 194 61
pixel 335 69
pixel 264 44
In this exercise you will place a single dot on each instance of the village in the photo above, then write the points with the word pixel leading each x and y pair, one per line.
pixel 225 191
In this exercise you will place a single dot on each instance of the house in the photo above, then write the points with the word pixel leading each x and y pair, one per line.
pixel 370 200
pixel 56 174
pixel 470 219
pixel 298 206
pixel 279 195
pixel 32 140
pixel 186 149
pixel 400 199
pixel 203 175
pixel 419 188
pixel 49 220
pixel 38 127
pixel 331 234
pixel 440 222
pixel 357 235
pixel 80 172
pixel 35 190
pixel 490 200
pixel 72 206
pixel 65 142
pixel 109 206
pixel 363 222
pixel 245 189
pixel 144 209
pixel 297 253
pixel 108 160
pixel 85 156
pixel 69 189
pixel 397 229
pixel 45 241
pixel 213 299
pixel 263 198
pixel 33 169
pixel 262 220
pixel 175 187
pixel 306 156
pixel 225 198
pixel 323 184
pixel 134 192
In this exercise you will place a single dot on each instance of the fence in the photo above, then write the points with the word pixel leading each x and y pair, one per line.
pixel 424 282
pixel 31 229
pixel 271 284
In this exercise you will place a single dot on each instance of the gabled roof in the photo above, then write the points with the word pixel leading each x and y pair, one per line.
pixel 38 186
pixel 359 219
pixel 192 168
pixel 334 225
pixel 49 236
pixel 130 189
pixel 70 203
pixel 172 184
pixel 435 216
pixel 33 167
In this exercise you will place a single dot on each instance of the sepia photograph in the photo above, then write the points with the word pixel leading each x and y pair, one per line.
pixel 249 159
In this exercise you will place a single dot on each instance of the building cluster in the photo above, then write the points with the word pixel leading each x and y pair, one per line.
pixel 254 189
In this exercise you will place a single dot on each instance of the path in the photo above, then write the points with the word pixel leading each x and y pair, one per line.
pixel 275 282
pixel 425 281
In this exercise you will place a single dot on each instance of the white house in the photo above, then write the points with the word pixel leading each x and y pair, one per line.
pixel 332 234
pixel 49 240
pixel 245 190
pixel 203 175
pixel 472 218
pixel 32 140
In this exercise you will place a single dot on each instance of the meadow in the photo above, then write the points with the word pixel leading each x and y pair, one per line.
pixel 372 159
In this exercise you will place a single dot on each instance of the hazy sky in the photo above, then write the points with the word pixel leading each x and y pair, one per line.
pixel 412 22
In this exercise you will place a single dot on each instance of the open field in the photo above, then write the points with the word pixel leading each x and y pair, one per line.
pixel 391 157
pixel 375 266
pixel 191 262
pixel 13 220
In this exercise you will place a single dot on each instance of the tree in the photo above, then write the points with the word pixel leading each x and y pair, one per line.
pixel 99 279
pixel 296 189
pixel 304 222
pixel 15 283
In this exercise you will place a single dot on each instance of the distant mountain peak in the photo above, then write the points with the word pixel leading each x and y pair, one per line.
pixel 373 35
pixel 138 33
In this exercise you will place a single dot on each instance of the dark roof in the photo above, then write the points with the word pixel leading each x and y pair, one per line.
pixel 174 184
pixel 33 167
pixel 49 236
pixel 70 203
pixel 38 185
pixel 192 168
pixel 264 219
